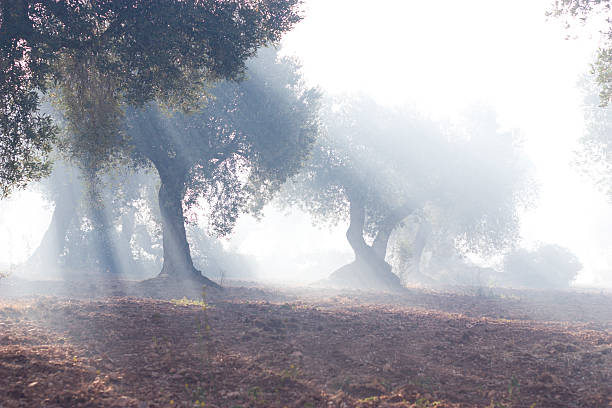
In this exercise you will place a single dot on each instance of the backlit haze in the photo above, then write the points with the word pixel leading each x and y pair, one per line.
pixel 441 58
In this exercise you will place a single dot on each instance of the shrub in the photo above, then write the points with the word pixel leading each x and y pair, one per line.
pixel 547 266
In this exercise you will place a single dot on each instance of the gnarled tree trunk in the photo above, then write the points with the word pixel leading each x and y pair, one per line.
pixel 364 254
pixel 381 241
pixel 178 263
pixel 54 241
pixel 369 270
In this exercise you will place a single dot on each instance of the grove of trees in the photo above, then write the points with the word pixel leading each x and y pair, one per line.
pixel 376 167
pixel 187 104
pixel 102 54
pixel 233 154
pixel 104 61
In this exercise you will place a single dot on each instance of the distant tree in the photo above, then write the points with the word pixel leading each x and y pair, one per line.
pixel 475 205
pixel 102 54
pixel 358 172
pixel 231 156
pixel 105 225
pixel 80 237
pixel 64 189
pixel 377 166
pixel 548 266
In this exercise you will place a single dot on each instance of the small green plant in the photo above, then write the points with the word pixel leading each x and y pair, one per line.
pixel 494 404
pixel 197 395
pixel 254 393
pixel 425 403
pixel 370 399
pixel 514 386
pixel 190 302
pixel 290 373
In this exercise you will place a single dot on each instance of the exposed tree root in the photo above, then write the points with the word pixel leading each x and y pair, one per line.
pixel 191 278
pixel 359 275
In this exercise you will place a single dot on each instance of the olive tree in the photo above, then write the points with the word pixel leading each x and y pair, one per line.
pixel 375 167
pixel 231 156
pixel 76 240
pixel 100 55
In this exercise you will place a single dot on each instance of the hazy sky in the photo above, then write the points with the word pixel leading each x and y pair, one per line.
pixel 442 57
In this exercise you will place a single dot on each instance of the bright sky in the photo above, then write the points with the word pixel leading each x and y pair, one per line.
pixel 24 218
pixel 441 57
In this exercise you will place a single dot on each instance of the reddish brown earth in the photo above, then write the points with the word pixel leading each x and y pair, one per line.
pixel 267 347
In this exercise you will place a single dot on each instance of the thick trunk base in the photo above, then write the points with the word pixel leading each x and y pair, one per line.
pixel 172 287
pixel 360 275
pixel 189 277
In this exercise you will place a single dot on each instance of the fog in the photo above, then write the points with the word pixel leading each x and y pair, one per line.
pixel 432 60
pixel 306 203
pixel 435 57
pixel 530 76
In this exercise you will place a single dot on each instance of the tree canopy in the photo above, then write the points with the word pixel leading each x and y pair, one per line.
pixel 231 155
pixel 377 166
pixel 101 54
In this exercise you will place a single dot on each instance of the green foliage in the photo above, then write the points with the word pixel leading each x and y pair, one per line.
pixel 514 387
pixel 93 117
pixel 469 182
pixel 190 302
pixel 102 54
pixel 583 12
pixel 291 373
pixel 367 153
pixel 26 135
pixel 426 403
pixel 238 150
pixel 369 399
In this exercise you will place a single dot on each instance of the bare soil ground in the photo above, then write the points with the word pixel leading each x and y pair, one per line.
pixel 127 344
